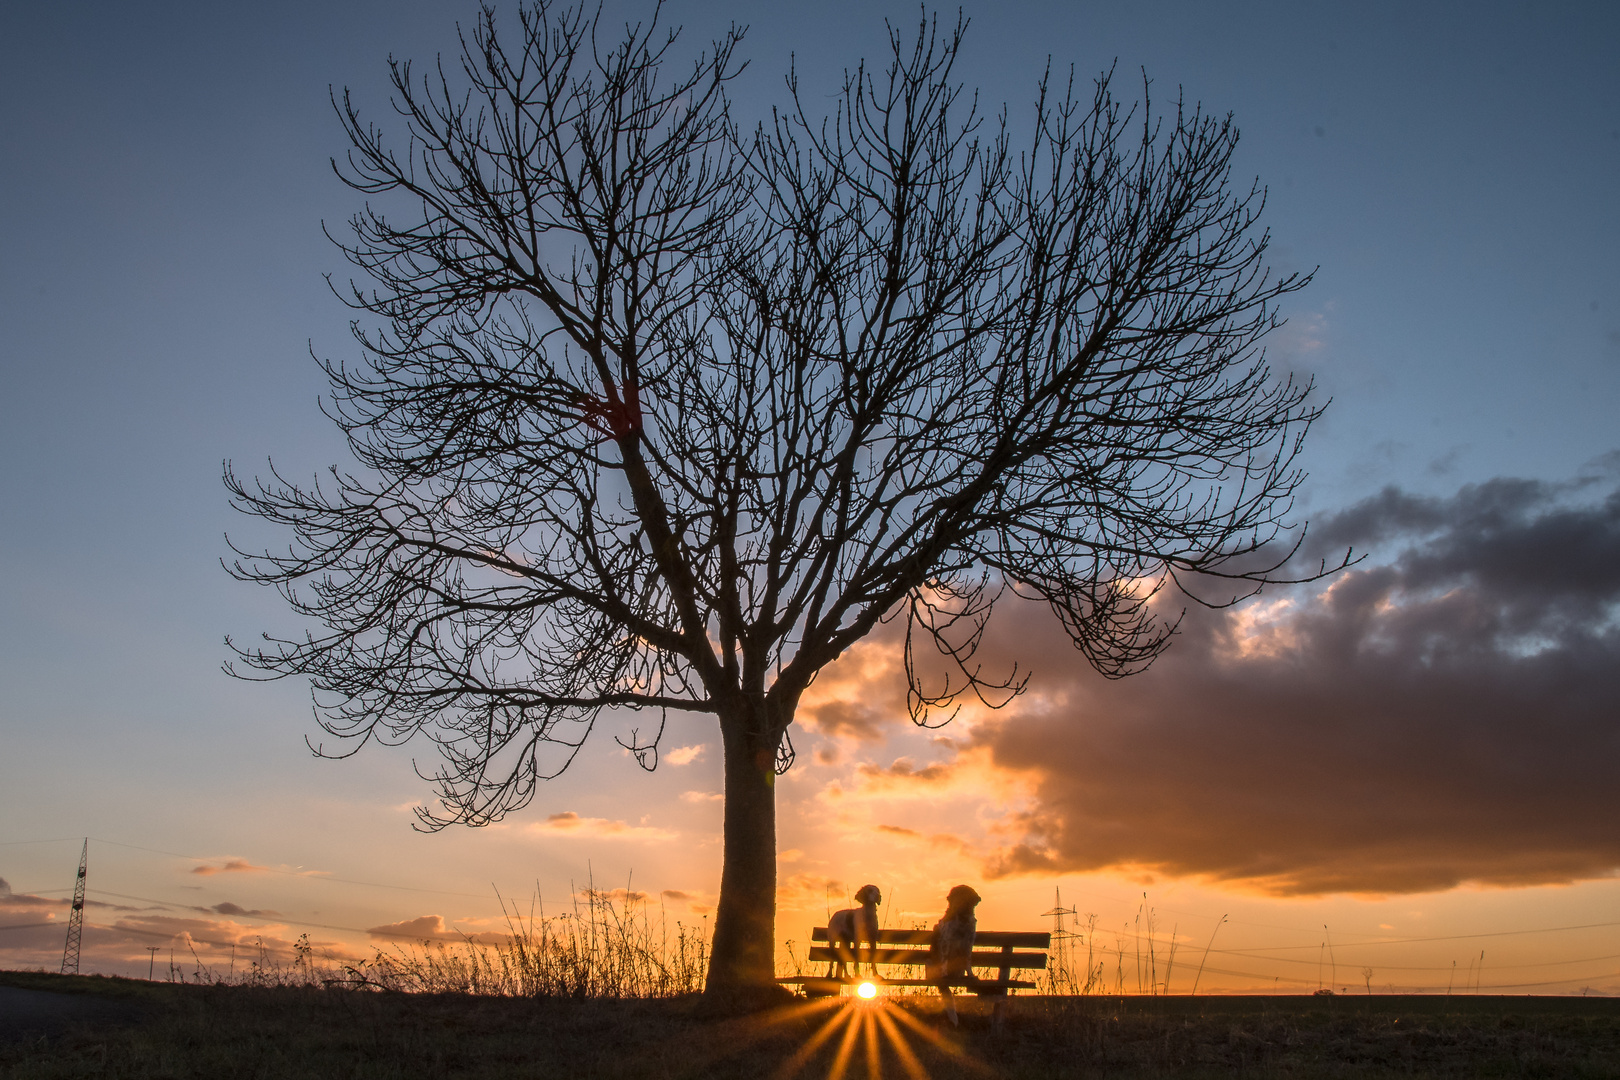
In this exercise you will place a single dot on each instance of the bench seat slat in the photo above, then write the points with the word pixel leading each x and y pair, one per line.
pixel 982 958
pixel 983 939
pixel 963 984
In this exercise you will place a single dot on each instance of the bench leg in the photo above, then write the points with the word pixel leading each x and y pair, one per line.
pixel 997 1015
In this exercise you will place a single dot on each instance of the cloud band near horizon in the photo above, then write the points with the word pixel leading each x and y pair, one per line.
pixel 1447 714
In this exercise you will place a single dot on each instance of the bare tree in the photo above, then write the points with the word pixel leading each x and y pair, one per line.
pixel 653 414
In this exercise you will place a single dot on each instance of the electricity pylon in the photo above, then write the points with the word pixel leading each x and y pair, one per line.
pixel 1062 972
pixel 70 951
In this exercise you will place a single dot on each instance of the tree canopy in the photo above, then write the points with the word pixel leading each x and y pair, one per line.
pixel 653 412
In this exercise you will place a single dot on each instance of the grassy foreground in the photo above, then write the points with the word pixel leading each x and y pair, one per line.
pixel 185 1031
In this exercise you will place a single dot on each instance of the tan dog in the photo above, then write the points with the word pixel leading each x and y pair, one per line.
pixel 951 954
pixel 846 930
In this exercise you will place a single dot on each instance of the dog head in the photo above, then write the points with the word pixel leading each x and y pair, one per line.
pixel 960 899
pixel 869 894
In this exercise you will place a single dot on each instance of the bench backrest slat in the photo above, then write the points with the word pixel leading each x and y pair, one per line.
pixel 1000 939
pixel 982 958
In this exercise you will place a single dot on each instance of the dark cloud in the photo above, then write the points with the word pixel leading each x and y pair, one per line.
pixel 1445 713
pixel 422 928
pixel 228 908
pixel 426 928
pixel 864 720
pixel 32 931
pixel 25 901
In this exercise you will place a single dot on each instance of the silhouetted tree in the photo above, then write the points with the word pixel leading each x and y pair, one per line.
pixel 653 414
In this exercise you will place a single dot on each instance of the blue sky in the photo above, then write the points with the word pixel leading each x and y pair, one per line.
pixel 1449 168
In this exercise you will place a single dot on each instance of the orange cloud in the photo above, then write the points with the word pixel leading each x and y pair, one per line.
pixel 968 776
pixel 213 939
pixel 616 896
pixel 696 902
pixel 863 692
pixel 124 942
pixel 568 823
pixel 805 892
pixel 902 773
pixel 230 866
pixel 942 841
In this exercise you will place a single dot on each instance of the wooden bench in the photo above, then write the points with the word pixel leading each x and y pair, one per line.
pixel 997 949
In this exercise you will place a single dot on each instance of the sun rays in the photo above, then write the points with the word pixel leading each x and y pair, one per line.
pixel 870 1030
pixel 823 1038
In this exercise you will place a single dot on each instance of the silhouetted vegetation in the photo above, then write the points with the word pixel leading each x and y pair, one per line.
pixel 185 1032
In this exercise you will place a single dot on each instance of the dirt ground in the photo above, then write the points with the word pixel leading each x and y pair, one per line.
pixel 79 1027
pixel 31 1013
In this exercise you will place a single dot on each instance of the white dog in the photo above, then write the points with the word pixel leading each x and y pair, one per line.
pixel 848 928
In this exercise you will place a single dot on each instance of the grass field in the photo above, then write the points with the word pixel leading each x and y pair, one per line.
pixel 185 1031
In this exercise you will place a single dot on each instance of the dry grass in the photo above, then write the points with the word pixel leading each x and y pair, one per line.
pixel 603 948
pixel 270 1032
pixel 607 991
pixel 607 945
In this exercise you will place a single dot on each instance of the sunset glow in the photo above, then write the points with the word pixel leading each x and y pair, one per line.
pixel 1396 779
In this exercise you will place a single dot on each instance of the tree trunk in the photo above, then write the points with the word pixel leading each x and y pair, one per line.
pixel 742 963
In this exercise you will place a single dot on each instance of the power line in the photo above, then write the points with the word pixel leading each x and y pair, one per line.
pixel 1443 937
pixel 293 873
pixel 1136 900
pixel 1411 967
pixel 273 919
pixel 1131 935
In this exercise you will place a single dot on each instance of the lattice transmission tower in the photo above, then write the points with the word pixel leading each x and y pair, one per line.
pixel 70 951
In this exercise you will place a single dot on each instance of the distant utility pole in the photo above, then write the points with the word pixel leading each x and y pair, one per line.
pixel 70 951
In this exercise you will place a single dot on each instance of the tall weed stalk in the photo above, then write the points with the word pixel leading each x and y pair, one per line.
pixel 607 946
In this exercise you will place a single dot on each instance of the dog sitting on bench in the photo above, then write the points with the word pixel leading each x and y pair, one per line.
pixel 846 930
pixel 951 954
